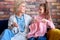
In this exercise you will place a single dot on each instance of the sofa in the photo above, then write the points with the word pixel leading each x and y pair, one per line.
pixel 51 34
pixel 3 25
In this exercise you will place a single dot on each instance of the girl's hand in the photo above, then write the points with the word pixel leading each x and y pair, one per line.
pixel 29 35
pixel 35 20
pixel 44 20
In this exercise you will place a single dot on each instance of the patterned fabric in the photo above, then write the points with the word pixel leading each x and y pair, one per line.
pixel 39 28
pixel 21 23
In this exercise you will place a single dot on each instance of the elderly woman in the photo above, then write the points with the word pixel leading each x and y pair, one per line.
pixel 18 20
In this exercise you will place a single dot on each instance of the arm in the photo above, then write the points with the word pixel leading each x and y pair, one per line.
pixel 28 20
pixel 11 23
pixel 50 23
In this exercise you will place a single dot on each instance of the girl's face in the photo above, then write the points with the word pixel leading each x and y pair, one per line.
pixel 21 8
pixel 41 10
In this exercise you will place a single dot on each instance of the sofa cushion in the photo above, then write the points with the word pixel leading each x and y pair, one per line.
pixel 3 25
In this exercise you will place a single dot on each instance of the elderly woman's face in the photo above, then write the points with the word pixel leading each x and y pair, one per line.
pixel 21 7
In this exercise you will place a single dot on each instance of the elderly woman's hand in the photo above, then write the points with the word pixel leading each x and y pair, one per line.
pixel 15 24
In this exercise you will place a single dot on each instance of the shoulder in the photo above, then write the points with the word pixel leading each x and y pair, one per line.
pixel 27 16
pixel 12 16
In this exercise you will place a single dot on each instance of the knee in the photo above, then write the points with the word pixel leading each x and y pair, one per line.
pixel 6 30
pixel 42 38
pixel 32 38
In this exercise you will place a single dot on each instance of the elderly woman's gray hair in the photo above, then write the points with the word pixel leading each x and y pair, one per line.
pixel 17 4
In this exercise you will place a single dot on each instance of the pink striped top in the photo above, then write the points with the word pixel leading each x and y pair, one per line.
pixel 39 28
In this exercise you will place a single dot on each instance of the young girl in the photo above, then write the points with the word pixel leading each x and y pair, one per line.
pixel 38 28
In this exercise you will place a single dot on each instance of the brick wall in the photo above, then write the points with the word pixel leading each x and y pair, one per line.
pixel 31 8
pixel 54 7
pixel 5 7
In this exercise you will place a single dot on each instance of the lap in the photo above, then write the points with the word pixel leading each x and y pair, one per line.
pixel 38 38
pixel 7 34
pixel 32 38
pixel 19 36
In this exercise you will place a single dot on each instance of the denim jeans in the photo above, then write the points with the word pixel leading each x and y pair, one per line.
pixel 38 38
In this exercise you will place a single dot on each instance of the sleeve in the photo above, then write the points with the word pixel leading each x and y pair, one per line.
pixel 10 22
pixel 28 20
pixel 50 23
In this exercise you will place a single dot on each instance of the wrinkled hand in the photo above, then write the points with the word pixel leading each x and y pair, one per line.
pixel 15 24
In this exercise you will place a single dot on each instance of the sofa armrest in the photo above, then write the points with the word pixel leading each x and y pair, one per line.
pixel 53 34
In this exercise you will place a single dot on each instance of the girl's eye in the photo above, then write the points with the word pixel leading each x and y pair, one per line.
pixel 40 9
